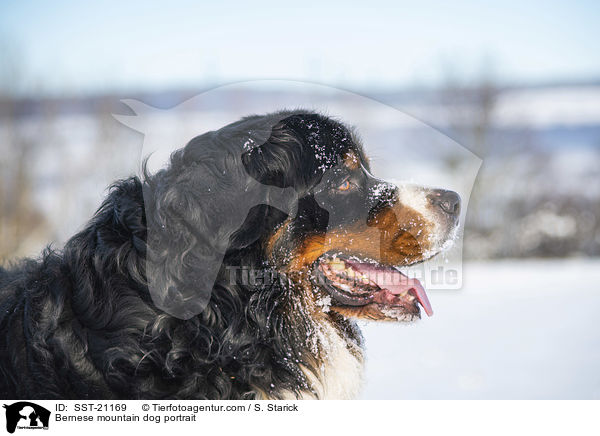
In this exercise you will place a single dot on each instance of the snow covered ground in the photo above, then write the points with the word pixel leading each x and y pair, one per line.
pixel 517 330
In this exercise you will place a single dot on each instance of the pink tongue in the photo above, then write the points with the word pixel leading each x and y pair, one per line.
pixel 395 282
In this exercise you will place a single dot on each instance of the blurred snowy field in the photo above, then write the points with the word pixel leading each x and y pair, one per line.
pixel 517 330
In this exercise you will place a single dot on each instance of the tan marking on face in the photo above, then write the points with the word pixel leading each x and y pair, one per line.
pixel 271 243
pixel 396 236
pixel 351 160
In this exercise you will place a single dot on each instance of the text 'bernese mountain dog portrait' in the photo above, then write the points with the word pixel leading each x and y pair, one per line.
pixel 238 271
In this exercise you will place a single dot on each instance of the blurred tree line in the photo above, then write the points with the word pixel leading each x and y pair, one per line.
pixel 20 218
pixel 519 206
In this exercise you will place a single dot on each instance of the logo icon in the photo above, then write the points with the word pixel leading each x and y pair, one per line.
pixel 26 415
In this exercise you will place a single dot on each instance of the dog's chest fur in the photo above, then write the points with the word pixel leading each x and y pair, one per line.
pixel 340 376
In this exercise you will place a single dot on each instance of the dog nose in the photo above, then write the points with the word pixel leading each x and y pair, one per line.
pixel 448 201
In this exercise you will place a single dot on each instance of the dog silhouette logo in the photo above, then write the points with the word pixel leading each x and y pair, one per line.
pixel 26 415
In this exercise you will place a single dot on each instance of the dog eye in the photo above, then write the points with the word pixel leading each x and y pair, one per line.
pixel 346 185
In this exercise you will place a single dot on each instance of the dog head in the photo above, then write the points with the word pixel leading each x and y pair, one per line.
pixel 353 233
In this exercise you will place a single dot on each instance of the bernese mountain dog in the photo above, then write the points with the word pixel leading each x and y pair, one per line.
pixel 237 272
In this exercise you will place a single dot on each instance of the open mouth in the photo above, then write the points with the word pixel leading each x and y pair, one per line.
pixel 357 283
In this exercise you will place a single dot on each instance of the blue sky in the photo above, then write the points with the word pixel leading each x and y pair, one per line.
pixel 79 47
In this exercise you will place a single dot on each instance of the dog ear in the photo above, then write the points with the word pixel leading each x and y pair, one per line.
pixel 192 210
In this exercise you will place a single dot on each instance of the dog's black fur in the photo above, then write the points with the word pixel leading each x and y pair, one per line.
pixel 81 322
